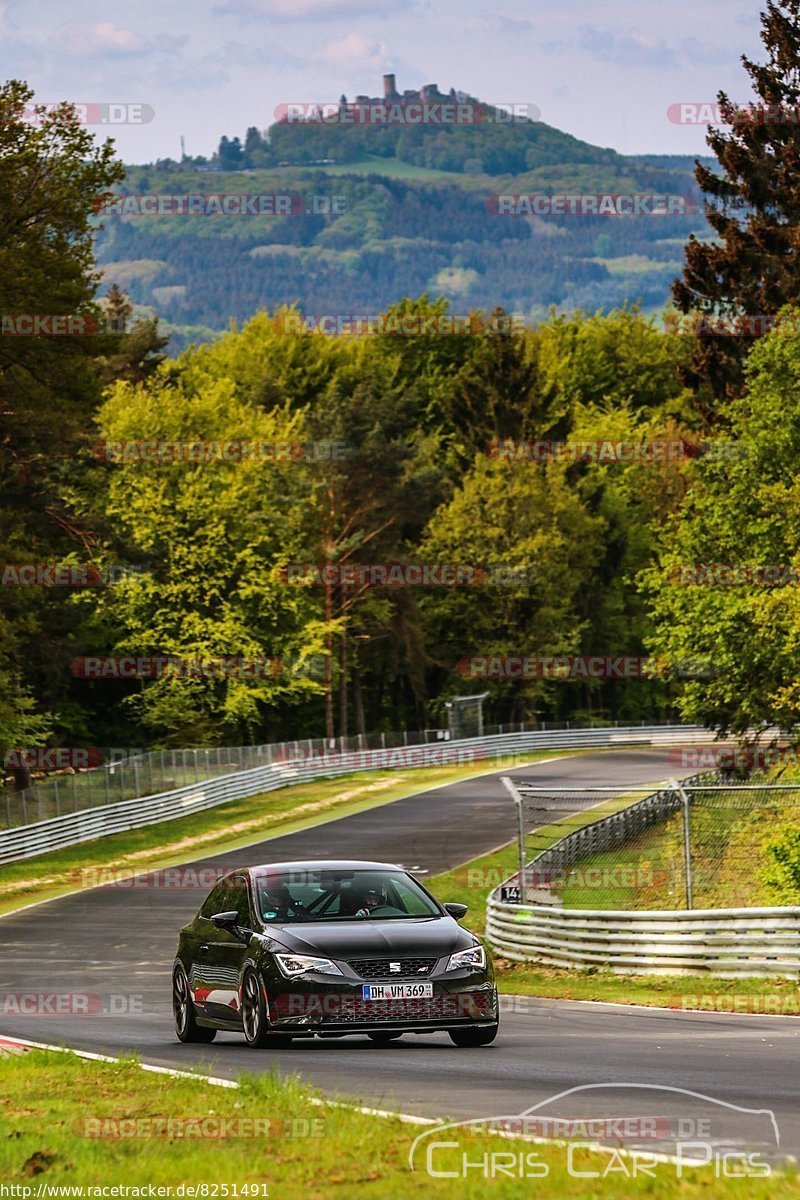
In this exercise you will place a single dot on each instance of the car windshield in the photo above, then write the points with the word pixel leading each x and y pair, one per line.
pixel 330 895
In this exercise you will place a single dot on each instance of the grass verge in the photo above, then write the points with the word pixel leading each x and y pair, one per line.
pixel 228 827
pixel 61 1118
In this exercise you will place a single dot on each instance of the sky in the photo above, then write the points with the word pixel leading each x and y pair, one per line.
pixel 606 73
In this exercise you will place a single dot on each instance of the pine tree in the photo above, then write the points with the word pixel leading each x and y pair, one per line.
pixel 753 205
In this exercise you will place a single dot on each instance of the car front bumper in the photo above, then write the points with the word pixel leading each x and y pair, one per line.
pixel 337 1006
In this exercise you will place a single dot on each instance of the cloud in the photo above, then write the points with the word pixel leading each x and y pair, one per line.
pixel 629 49
pixel 355 51
pixel 252 54
pixel 506 24
pixel 308 10
pixel 101 40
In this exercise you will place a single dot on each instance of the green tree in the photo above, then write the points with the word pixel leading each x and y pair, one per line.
pixel 52 178
pixel 507 517
pixel 214 535
pixel 753 206
pixel 741 512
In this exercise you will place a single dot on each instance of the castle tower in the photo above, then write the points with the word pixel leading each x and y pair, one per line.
pixel 389 90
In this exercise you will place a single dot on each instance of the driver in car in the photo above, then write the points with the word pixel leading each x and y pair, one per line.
pixel 372 900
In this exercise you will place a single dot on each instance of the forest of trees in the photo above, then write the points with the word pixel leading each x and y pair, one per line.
pixel 578 554
pixel 394 238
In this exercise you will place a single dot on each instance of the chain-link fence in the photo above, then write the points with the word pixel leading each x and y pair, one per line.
pixel 159 771
pixel 704 842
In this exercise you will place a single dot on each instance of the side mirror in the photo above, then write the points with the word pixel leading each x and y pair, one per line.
pixel 226 920
pixel 456 910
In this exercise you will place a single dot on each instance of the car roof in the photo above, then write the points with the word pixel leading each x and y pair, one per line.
pixel 324 864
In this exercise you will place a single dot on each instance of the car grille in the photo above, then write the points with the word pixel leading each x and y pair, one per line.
pixel 379 968
pixel 394 1012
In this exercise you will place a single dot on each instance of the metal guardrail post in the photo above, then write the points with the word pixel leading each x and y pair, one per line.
pixel 687 842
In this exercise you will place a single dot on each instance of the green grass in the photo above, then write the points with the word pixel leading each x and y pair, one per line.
pixel 634 264
pixel 686 992
pixel 392 168
pixel 288 1145
pixel 730 865
pixel 226 828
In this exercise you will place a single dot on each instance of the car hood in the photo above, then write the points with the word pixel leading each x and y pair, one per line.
pixel 375 939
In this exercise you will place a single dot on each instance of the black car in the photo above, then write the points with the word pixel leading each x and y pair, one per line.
pixel 328 948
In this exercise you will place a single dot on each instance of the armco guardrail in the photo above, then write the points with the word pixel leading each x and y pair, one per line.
pixel 70 828
pixel 726 942
pixel 153 772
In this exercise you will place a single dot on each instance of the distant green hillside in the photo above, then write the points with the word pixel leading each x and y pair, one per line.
pixel 412 215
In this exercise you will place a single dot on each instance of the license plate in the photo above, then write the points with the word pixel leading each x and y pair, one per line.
pixel 396 991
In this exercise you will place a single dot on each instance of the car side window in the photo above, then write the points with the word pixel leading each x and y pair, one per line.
pixel 238 899
pixel 215 902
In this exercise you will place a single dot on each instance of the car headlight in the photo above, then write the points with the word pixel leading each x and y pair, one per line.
pixel 474 957
pixel 298 964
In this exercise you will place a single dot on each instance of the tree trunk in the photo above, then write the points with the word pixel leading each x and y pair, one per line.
pixel 358 703
pixel 22 778
pixel 343 686
pixel 328 662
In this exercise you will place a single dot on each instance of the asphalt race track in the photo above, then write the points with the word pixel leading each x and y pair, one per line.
pixel 117 943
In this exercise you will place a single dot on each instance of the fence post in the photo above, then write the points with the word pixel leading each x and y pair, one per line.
pixel 508 784
pixel 687 843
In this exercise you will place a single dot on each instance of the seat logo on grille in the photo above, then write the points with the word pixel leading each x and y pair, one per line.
pixel 394 967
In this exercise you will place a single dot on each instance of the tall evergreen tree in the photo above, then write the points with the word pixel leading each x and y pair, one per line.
pixel 52 178
pixel 753 205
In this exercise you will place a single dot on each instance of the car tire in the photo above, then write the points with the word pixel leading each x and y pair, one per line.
pixel 383 1038
pixel 478 1035
pixel 186 1025
pixel 255 1021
